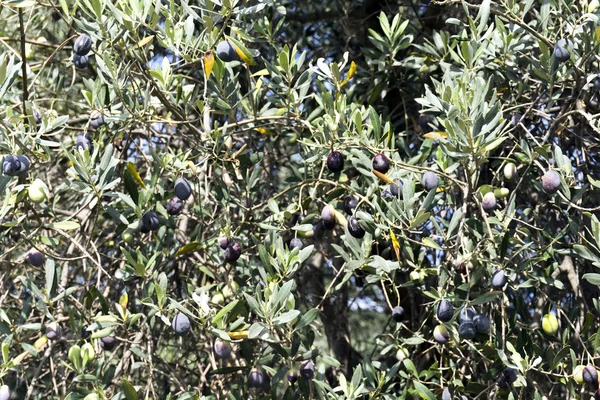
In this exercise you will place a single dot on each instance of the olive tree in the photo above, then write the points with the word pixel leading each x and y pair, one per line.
pixel 232 199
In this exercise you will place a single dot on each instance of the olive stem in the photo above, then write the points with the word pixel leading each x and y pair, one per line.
pixel 23 59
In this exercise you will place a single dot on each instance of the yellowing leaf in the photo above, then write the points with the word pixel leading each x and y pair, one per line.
pixel 134 173
pixel 266 131
pixel 351 73
pixel 597 33
pixel 144 41
pixel 242 51
pixel 191 166
pixel 209 62
pixel 243 56
pixel 395 244
pixel 123 300
pixel 188 248
pixel 40 342
pixel 436 135
pixel 238 335
pixel 383 177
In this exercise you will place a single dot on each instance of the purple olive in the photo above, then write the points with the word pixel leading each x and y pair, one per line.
pixel 36 258
pixel 335 161
pixel 381 163
pixel 82 45
pixel 233 252
pixel 174 206
pixel 222 349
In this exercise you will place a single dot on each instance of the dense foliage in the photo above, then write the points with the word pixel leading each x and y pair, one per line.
pixel 232 199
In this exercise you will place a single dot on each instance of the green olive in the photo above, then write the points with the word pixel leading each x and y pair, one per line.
pixel 38 191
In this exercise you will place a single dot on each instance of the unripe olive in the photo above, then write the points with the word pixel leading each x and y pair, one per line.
pixel 440 334
pixel 218 298
pixel 510 171
pixel 37 191
pixel 127 236
pixel 230 288
pixel 401 354
pixel 578 374
pixel 501 193
pixel 74 354
pixel 87 350
pixel 550 324
pixel 415 275
pixel 4 392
